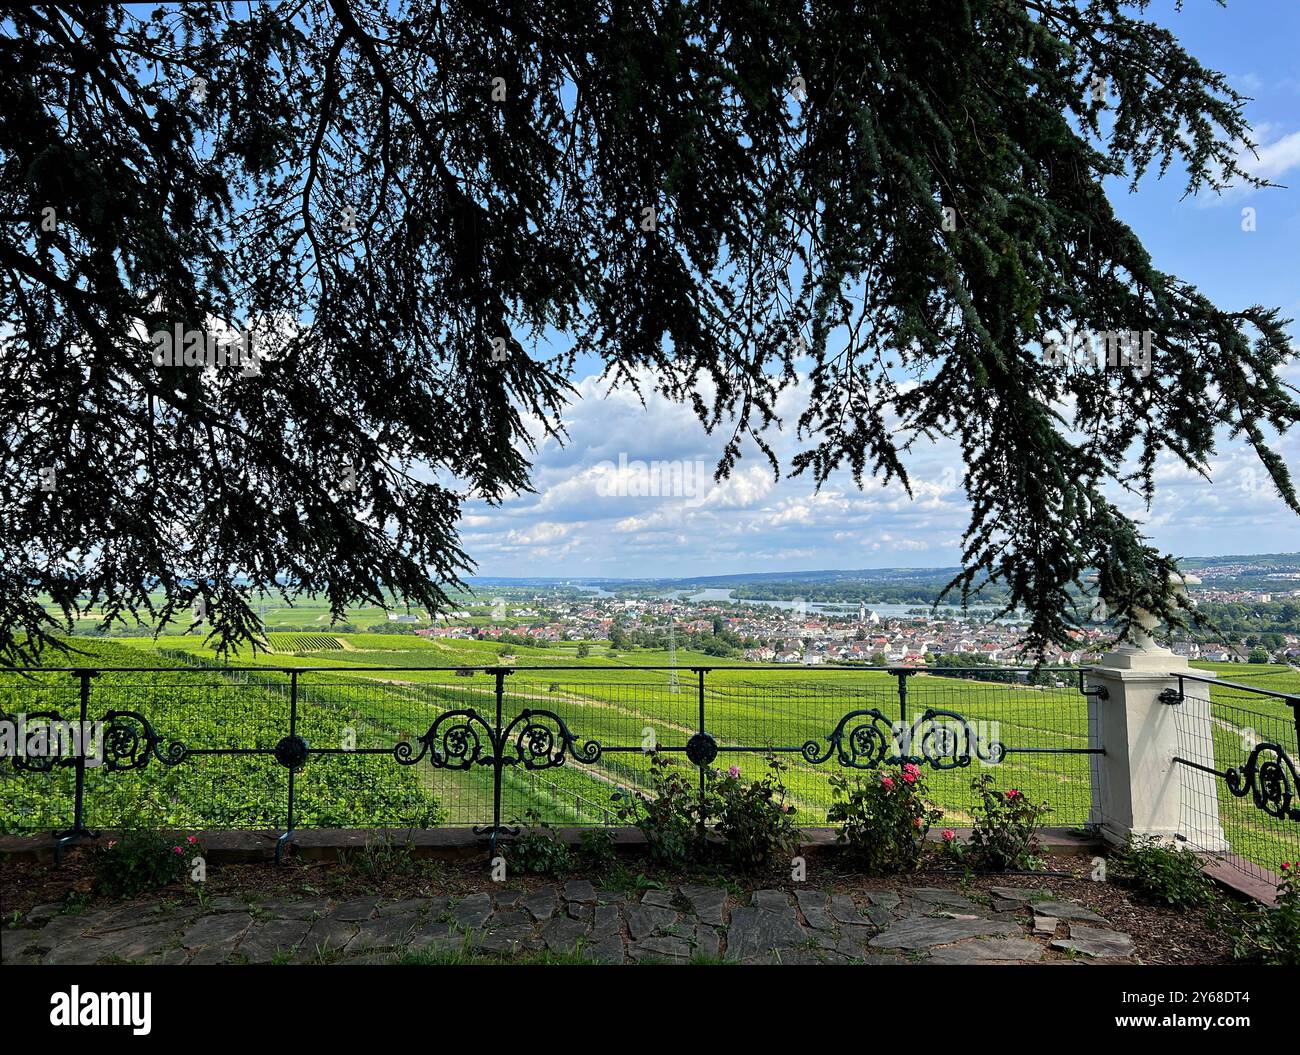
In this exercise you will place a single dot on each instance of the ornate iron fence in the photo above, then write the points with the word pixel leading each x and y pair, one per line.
pixel 1238 750
pixel 488 747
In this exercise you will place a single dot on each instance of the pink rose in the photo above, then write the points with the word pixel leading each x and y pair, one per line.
pixel 909 778
pixel 1012 793
pixel 177 849
pixel 192 839
pixel 912 769
pixel 1285 864
pixel 887 782
pixel 948 835
pixel 733 771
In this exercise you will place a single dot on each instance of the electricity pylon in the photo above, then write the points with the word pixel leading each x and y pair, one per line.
pixel 672 651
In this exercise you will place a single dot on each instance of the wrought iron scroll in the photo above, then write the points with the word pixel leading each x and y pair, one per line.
pixel 127 740
pixel 866 739
pixel 130 741
pixel 462 739
pixel 1272 783
pixel 863 745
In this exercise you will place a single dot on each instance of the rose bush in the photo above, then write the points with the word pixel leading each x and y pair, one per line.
pixel 884 818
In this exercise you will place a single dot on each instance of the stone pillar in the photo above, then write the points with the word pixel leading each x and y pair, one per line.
pixel 1138 789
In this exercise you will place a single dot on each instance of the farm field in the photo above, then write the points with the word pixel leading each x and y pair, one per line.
pixel 313 615
pixel 207 712
pixel 747 710
pixel 600 698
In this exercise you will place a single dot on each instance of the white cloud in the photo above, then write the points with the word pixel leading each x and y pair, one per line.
pixel 576 524
pixel 1275 159
pixel 1276 154
pixel 539 534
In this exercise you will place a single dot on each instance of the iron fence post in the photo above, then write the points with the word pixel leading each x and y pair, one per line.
pixel 78 829
pixel 293 731
pixel 79 806
pixel 1294 704
pixel 284 839
pixel 703 795
pixel 497 752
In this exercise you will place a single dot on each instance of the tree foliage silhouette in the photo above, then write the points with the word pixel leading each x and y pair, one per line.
pixel 890 204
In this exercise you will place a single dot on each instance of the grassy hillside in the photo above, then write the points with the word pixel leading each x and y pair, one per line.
pixel 602 698
pixel 746 709
pixel 210 713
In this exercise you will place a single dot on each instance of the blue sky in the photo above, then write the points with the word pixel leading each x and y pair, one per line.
pixel 587 519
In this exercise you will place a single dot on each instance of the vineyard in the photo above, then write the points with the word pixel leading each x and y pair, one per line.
pixel 207 712
pixel 296 643
pixel 360 715
pixel 370 711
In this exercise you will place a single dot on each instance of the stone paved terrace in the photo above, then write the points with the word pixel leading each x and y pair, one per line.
pixel 674 925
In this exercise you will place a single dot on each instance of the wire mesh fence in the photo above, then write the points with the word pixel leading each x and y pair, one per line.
pixel 1237 752
pixel 196 745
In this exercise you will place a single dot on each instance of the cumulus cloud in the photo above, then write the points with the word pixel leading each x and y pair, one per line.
pixel 599 509
pixel 540 534
pixel 1275 158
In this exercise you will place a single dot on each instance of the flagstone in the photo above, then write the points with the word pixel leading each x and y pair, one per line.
pixel 326 936
pixel 707 902
pixel 989 950
pixel 472 912
pixel 264 941
pixel 510 939
pixel 608 950
pixel 1067 910
pixel 403 907
pixel 515 918
pixel 305 910
pixel 771 900
pixel 708 942
pixel 540 903
pixel 562 934
pixel 38 915
pixel 843 909
pixel 355 911
pixel 644 920
pixel 929 924
pixel 1015 893
pixel 386 932
pixel 660 947
pixel 922 932
pixel 440 936
pixel 755 931
pixel 509 897
pixel 212 930
pixel 813 903
pixel 579 890
pixel 948 899
pixel 607 921
pixel 1097 942
pixel 1045 926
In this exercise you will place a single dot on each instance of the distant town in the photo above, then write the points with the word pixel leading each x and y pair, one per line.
pixel 791 632
pixel 876 617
